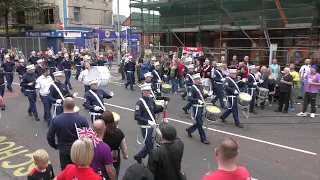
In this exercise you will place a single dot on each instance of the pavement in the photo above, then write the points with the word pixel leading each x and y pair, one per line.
pixel 271 145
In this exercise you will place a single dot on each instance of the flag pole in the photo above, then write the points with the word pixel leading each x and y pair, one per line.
pixel 77 130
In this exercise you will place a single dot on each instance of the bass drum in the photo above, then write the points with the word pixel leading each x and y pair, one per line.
pixel 101 73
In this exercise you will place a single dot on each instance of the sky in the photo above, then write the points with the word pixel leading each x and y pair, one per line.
pixel 124 7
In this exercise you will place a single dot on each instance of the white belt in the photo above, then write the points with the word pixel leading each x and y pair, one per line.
pixel 130 71
pixel 67 69
pixel 43 94
pixel 55 109
pixel 95 114
pixel 145 126
pixel 218 82
pixel 78 65
pixel 197 105
pixel 56 104
pixel 231 101
pixel 29 90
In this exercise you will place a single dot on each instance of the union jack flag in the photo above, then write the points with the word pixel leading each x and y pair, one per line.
pixel 88 133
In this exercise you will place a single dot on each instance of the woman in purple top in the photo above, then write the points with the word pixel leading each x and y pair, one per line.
pixel 114 137
pixel 311 90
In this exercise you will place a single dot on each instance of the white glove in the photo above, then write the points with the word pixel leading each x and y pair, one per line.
pixel 261 81
pixel 158 90
pixel 210 93
pixel 200 102
pixel 236 92
pixel 164 103
pixel 244 80
pixel 75 95
pixel 159 81
pixel 152 123
pixel 111 93
pixel 223 79
pixel 255 83
pixel 97 108
pixel 165 76
pixel 59 101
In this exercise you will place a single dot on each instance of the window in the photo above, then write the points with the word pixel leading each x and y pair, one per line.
pixel 21 19
pixel 48 16
pixel 76 14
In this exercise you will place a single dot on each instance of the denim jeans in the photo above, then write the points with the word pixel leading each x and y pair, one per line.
pixel 174 83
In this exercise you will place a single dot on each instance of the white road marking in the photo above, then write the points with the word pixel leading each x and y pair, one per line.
pixel 223 132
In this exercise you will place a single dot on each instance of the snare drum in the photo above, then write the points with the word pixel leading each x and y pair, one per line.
pixel 159 102
pixel 263 93
pixel 101 73
pixel 76 109
pixel 211 113
pixel 166 88
pixel 205 92
pixel 116 116
pixel 244 99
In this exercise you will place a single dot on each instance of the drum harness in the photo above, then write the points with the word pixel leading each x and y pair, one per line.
pixel 252 89
pixel 146 127
pixel 158 84
pixel 57 104
pixel 94 114
pixel 198 105
pixel 231 95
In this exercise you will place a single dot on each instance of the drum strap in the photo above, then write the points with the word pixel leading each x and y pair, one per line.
pixel 234 83
pixel 147 108
pixel 251 89
pixel 219 74
pixel 58 90
pixel 197 89
pixel 231 101
pixel 98 99
pixel 157 74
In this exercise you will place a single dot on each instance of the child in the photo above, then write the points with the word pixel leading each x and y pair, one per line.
pixel 42 170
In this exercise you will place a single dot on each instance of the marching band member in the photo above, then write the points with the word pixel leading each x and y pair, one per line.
pixel 252 88
pixel 66 66
pixel 77 63
pixel 145 111
pixel 156 79
pixel 93 100
pixel 59 60
pixel 28 83
pixel 129 68
pixel 83 77
pixel 148 79
pixel 57 93
pixel 196 97
pixel 21 70
pixel 189 82
pixel 232 90
pixel 39 67
pixel 219 78
pixel 33 59
pixel 51 62
pixel 2 86
pixel 152 67
pixel 8 67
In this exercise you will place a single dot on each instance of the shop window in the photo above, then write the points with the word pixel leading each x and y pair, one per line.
pixel 76 14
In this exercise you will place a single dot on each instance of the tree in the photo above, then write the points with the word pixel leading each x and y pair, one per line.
pixel 12 6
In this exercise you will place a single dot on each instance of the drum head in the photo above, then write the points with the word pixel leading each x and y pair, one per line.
pixel 205 91
pixel 159 102
pixel 101 73
pixel 76 109
pixel 168 86
pixel 116 116
pixel 94 74
pixel 245 97
pixel 213 109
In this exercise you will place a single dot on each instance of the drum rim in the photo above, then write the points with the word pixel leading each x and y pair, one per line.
pixel 215 108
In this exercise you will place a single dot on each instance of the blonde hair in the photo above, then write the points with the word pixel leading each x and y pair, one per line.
pixel 39 155
pixel 82 152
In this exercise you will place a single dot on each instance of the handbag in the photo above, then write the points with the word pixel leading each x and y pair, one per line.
pixel 182 176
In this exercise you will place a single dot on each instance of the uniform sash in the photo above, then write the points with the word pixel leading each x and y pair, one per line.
pixel 98 99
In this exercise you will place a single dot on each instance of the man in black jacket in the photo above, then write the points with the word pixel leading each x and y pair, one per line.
pixel 165 161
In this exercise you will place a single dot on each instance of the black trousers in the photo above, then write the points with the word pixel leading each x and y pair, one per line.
pixel 309 98
pixel 65 159
pixel 284 99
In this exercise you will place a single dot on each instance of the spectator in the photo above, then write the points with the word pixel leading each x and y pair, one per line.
pixel 114 137
pixel 285 85
pixel 275 68
pixel 205 72
pixel 197 67
pixel 271 83
pixel 213 72
pixel 138 172
pixel 296 80
pixel 180 77
pixel 234 63
pixel 226 155
pixel 304 70
pixel 63 126
pixel 245 67
pixel 143 68
pixel 102 159
pixel 173 76
pixel 263 83
pixel 81 155
pixel 165 161
pixel 42 170
pixel 246 61
pixel 311 89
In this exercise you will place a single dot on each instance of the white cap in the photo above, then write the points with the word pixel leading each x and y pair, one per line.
pixel 188 59
pixel 101 55
pixel 39 61
pixel 219 64
pixel 252 67
pixel 50 53
pixel 148 74
pixel 156 64
pixel 146 87
pixel 21 60
pixel 232 71
pixel 76 53
pixel 130 57
pixel 94 81
pixel 153 58
pixel 33 52
pixel 191 66
pixel 6 56
pixel 59 52
pixel 30 67
pixel 196 76
pixel 58 73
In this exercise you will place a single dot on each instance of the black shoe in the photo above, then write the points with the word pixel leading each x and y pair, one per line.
pixel 126 86
pixel 253 112
pixel 223 120
pixel 11 90
pixel 205 142
pixel 189 133
pixel 133 90
pixel 3 108
pixel 185 111
pixel 37 119
pixel 277 110
pixel 285 112
pixel 30 114
pixel 262 107
pixel 239 125
pixel 138 158
pixel 70 88
pixel 299 97
pixel 184 98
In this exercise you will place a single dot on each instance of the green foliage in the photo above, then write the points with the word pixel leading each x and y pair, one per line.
pixel 20 5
